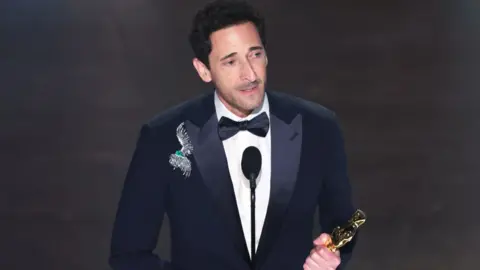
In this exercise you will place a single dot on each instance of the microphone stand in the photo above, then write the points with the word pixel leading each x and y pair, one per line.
pixel 252 216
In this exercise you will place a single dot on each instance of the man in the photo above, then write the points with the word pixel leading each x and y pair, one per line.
pixel 187 164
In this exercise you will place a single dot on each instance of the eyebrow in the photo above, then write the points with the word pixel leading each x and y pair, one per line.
pixel 254 48
pixel 227 56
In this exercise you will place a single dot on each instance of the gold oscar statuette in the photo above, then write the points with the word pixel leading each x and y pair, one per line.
pixel 344 234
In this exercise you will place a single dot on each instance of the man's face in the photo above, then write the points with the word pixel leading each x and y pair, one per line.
pixel 238 64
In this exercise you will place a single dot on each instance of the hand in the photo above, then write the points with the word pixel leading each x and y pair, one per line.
pixel 321 258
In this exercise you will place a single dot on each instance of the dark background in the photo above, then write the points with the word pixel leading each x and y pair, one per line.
pixel 79 77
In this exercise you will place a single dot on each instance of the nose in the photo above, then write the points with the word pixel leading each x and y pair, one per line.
pixel 248 73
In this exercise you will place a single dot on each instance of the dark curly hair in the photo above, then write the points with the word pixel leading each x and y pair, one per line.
pixel 217 15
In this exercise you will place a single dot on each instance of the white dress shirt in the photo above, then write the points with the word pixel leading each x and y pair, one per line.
pixel 234 147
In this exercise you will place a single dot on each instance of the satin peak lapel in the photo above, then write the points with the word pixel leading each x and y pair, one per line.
pixel 286 144
pixel 211 161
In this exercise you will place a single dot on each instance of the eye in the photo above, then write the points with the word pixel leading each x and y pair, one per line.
pixel 229 63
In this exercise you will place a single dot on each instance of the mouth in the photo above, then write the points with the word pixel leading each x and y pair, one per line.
pixel 249 90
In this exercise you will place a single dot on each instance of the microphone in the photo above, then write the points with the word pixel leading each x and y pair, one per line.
pixel 251 165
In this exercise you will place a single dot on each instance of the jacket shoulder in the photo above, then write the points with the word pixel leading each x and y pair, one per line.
pixel 175 114
pixel 306 107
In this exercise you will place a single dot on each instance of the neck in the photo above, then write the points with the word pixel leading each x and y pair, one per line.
pixel 238 112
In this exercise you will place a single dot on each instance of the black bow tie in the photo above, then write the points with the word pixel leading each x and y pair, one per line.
pixel 259 126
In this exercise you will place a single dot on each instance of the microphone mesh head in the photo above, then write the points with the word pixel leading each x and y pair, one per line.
pixel 251 162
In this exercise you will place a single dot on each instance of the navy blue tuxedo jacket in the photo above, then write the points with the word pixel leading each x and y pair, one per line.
pixel 309 169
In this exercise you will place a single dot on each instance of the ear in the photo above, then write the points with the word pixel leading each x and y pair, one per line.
pixel 202 70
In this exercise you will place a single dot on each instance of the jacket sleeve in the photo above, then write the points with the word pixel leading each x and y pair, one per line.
pixel 335 201
pixel 141 209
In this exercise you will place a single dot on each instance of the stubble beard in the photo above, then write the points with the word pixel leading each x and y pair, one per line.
pixel 248 103
pixel 243 105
